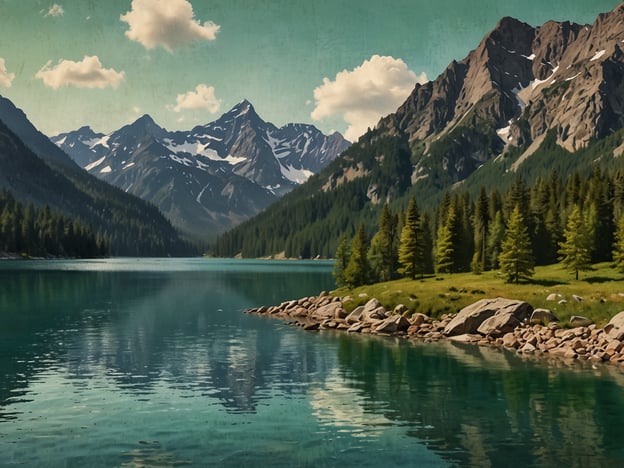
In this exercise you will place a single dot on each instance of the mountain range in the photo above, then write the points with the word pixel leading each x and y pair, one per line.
pixel 210 178
pixel 525 101
pixel 36 171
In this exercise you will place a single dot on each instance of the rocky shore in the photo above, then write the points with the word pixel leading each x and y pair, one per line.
pixel 498 322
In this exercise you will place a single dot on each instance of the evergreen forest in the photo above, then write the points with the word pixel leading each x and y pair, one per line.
pixel 41 232
pixel 575 220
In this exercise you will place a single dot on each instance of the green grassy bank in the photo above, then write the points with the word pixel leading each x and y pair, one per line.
pixel 602 290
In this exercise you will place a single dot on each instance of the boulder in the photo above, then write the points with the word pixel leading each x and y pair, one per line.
pixel 466 338
pixel 393 324
pixel 579 321
pixel 355 316
pixel 326 311
pixel 577 298
pixel 617 320
pixel 543 316
pixel 470 318
pixel 498 325
pixel 400 310
pixel 528 348
pixel 553 297
pixel 418 319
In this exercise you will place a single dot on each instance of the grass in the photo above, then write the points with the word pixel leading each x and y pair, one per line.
pixel 602 290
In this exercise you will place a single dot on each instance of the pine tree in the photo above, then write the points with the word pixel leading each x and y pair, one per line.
pixel 447 244
pixel 495 238
pixel 383 251
pixel 481 225
pixel 575 251
pixel 356 273
pixel 516 257
pixel 618 246
pixel 411 247
pixel 342 260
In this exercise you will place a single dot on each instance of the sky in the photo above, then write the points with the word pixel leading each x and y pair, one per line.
pixel 339 64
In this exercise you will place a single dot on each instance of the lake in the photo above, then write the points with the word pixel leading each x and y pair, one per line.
pixel 151 362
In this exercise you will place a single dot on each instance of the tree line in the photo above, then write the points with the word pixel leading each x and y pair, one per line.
pixel 576 221
pixel 42 232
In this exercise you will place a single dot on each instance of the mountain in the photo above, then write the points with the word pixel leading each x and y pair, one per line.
pixel 525 101
pixel 212 177
pixel 36 171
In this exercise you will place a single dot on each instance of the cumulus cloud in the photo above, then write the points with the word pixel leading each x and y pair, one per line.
pixel 6 78
pixel 365 94
pixel 166 23
pixel 55 10
pixel 202 98
pixel 89 73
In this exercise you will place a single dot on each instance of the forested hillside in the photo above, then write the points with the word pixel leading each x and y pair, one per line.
pixel 35 232
pixel 578 220
pixel 42 176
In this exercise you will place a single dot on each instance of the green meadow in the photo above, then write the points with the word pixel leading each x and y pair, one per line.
pixel 601 290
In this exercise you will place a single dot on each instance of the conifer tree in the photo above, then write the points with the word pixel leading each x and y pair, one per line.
pixel 618 246
pixel 495 238
pixel 383 251
pixel 342 260
pixel 516 256
pixel 575 251
pixel 446 244
pixel 481 225
pixel 356 273
pixel 411 248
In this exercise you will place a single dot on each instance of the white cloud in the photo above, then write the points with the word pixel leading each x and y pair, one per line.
pixel 55 10
pixel 6 78
pixel 166 23
pixel 365 94
pixel 86 74
pixel 203 98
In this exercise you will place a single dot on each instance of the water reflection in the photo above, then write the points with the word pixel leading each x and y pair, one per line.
pixel 483 407
pixel 141 328
pixel 119 345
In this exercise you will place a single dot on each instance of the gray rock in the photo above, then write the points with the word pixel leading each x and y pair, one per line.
pixel 498 325
pixel 528 348
pixel 400 310
pixel 579 321
pixel 617 320
pixel 553 297
pixel 543 316
pixel 470 318
pixel 577 298
pixel 355 316
pixel 393 324
pixel 326 311
pixel 418 319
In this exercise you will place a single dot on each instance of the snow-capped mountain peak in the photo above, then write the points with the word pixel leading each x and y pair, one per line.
pixel 222 172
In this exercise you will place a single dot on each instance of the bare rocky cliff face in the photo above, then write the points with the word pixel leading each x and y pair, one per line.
pixel 518 84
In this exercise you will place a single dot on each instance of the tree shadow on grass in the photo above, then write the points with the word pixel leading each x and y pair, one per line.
pixel 547 282
pixel 599 279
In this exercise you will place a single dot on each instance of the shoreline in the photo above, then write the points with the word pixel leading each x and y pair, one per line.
pixel 496 323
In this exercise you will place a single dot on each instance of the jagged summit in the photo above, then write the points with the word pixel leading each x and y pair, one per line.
pixel 211 177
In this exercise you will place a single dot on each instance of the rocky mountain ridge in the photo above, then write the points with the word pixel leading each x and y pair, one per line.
pixel 34 170
pixel 525 102
pixel 519 83
pixel 209 178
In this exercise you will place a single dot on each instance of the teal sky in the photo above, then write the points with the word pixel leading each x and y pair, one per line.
pixel 274 53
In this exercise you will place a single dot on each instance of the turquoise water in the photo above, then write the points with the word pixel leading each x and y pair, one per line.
pixel 139 362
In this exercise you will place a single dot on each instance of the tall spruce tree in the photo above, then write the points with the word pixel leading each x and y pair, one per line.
pixel 618 246
pixel 411 247
pixel 447 244
pixel 481 225
pixel 357 271
pixel 383 250
pixel 575 250
pixel 516 256
pixel 342 260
